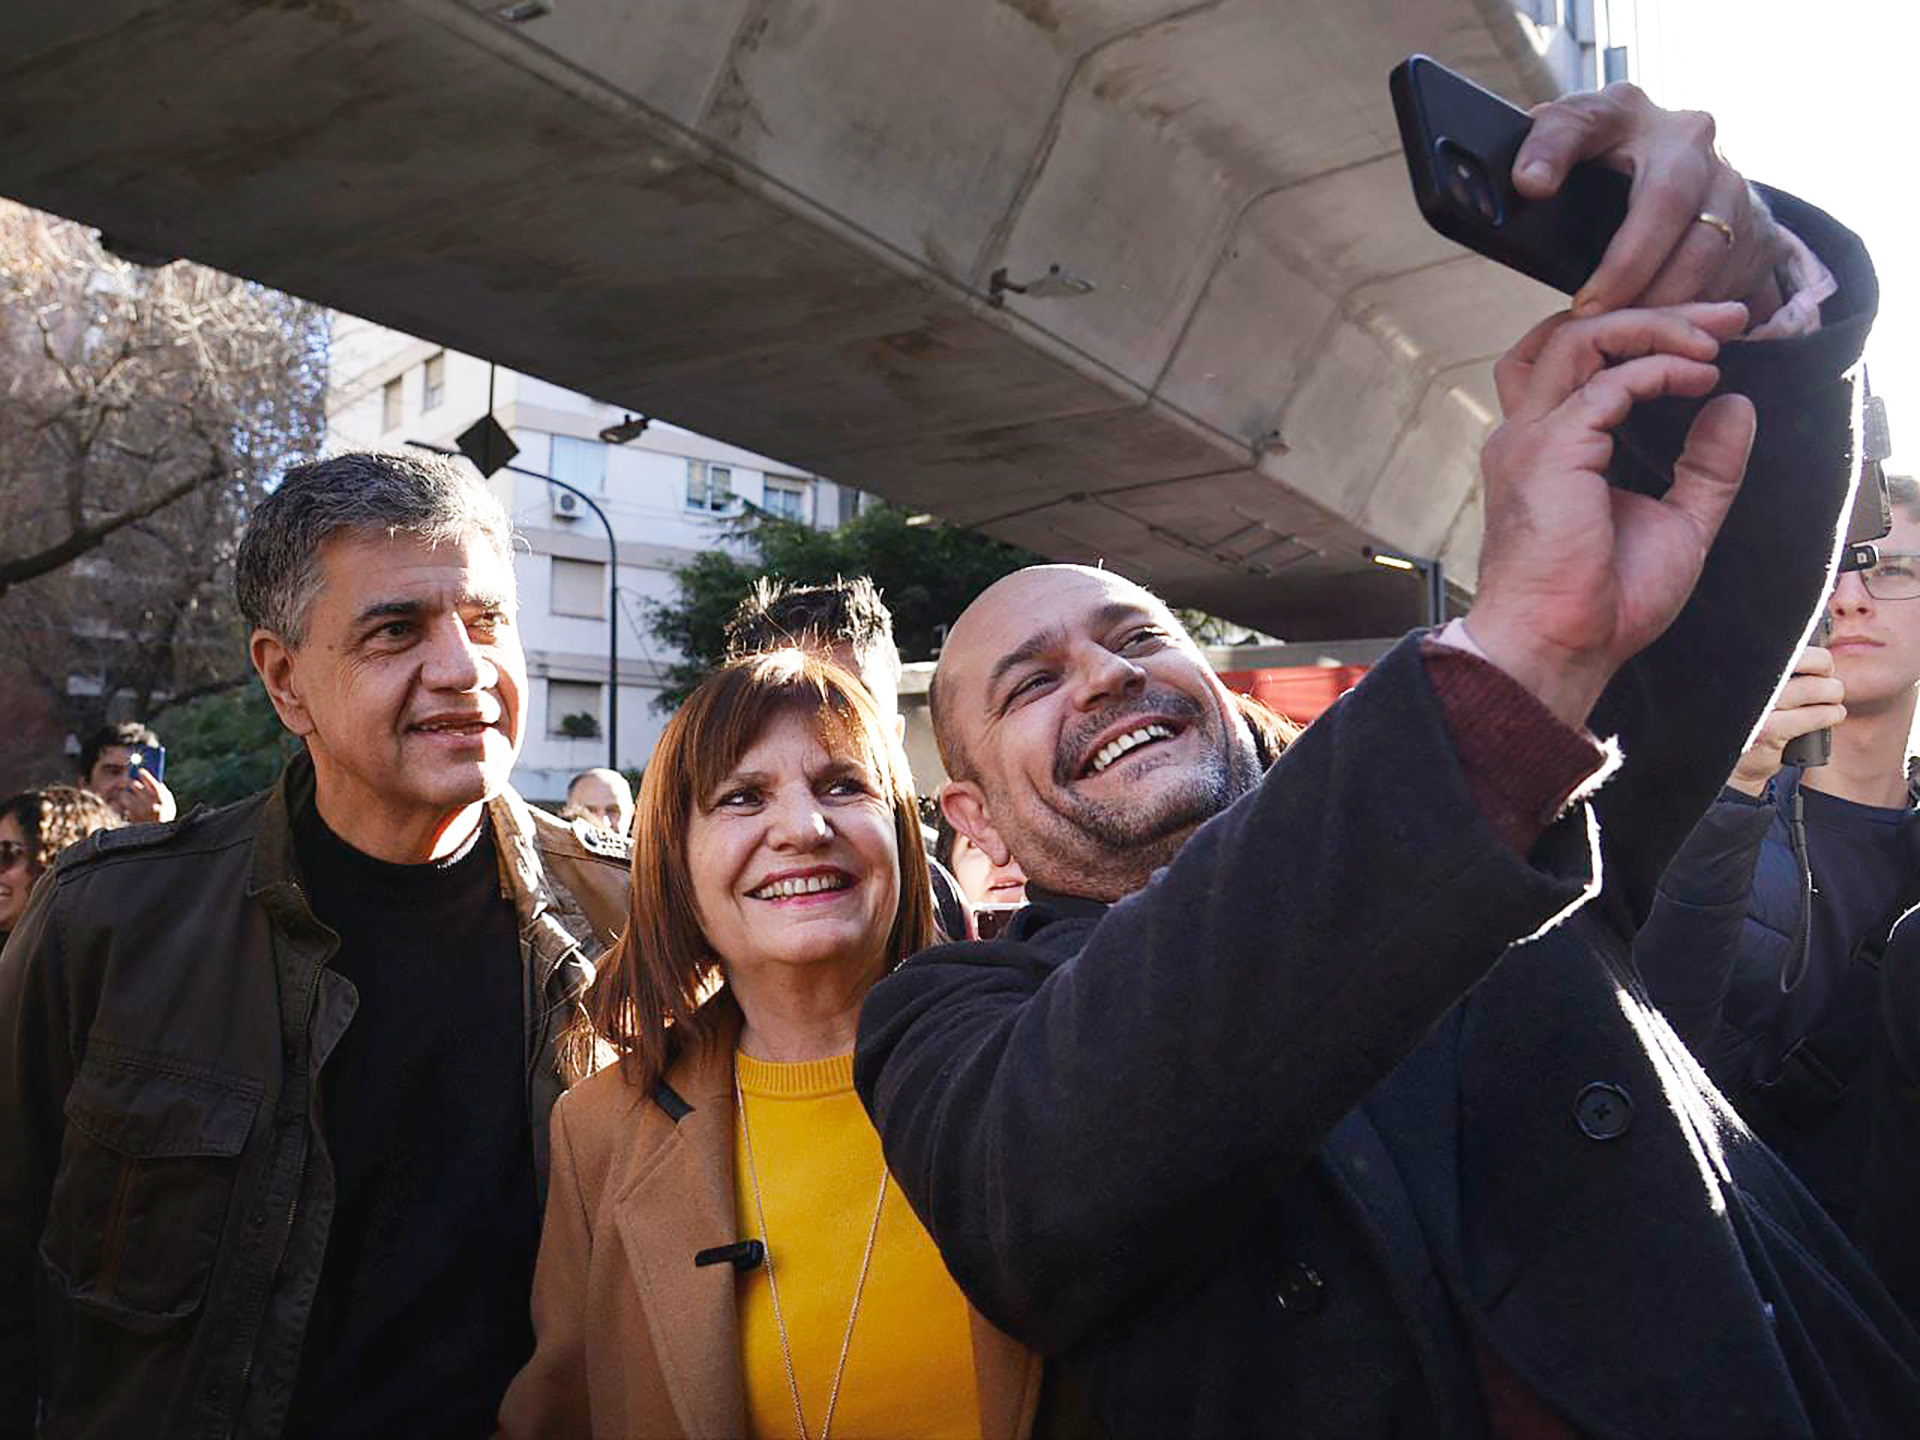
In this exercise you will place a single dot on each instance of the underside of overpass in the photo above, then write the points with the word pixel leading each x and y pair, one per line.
pixel 779 222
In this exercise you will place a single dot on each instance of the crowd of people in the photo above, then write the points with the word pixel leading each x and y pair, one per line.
pixel 1435 1070
pixel 115 785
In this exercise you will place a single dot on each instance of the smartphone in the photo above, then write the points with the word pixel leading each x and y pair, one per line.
pixel 1460 141
pixel 1815 748
pixel 151 758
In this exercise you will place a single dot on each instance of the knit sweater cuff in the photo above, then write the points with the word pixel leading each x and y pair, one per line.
pixel 1523 765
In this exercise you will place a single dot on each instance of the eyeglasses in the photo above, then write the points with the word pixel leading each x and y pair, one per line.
pixel 12 853
pixel 1894 577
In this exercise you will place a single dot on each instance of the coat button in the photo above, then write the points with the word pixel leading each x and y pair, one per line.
pixel 1299 1289
pixel 1603 1112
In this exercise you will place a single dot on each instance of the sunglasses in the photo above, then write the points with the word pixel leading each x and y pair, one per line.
pixel 13 853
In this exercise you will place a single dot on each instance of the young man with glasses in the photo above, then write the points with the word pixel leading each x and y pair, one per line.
pixel 1764 946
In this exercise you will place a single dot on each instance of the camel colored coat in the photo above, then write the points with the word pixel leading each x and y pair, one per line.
pixel 632 1339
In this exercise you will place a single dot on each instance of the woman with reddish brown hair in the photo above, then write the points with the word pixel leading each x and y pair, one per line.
pixel 724 1252
pixel 37 825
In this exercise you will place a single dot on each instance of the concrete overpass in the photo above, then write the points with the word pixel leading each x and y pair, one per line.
pixel 780 222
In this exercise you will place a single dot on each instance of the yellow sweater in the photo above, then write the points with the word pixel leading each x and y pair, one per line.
pixel 910 1370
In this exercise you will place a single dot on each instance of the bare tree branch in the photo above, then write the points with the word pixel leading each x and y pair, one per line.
pixel 200 692
pixel 143 412
pixel 87 537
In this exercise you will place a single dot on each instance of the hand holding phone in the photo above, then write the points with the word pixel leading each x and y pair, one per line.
pixel 1811 703
pixel 1548 193
pixel 1462 143
pixel 145 796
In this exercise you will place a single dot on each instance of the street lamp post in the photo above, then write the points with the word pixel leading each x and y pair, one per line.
pixel 613 593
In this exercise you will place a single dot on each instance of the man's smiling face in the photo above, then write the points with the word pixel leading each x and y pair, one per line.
pixel 1093 735
pixel 408 687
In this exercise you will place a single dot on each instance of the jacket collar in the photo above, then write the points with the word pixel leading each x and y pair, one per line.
pixel 551 923
pixel 1065 907
pixel 274 877
pixel 677 1199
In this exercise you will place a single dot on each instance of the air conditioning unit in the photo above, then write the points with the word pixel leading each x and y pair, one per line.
pixel 566 504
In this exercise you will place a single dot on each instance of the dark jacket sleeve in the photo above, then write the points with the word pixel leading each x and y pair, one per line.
pixel 35 1075
pixel 1684 707
pixel 1886 1231
pixel 1692 944
pixel 1077 1129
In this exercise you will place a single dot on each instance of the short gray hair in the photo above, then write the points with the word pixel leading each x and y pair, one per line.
pixel 277 572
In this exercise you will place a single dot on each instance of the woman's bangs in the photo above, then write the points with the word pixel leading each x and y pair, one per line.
pixel 787 682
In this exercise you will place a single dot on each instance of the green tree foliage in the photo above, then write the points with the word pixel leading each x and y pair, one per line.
pixel 928 572
pixel 225 747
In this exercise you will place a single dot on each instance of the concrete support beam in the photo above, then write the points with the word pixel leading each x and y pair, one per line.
pixel 777 221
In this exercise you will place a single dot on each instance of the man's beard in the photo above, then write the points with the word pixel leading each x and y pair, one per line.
pixel 1154 830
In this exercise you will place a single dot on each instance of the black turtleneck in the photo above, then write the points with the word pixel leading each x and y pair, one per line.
pixel 421 1317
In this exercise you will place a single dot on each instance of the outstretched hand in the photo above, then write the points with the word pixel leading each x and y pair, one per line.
pixel 1577 577
pixel 1694 230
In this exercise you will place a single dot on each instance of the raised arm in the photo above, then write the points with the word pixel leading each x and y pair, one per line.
pixel 1684 707
pixel 1301 944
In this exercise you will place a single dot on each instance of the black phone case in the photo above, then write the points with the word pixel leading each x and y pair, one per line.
pixel 1558 241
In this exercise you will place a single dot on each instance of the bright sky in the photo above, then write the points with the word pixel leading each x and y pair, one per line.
pixel 1820 99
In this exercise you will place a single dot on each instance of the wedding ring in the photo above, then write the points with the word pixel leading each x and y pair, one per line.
pixel 1707 217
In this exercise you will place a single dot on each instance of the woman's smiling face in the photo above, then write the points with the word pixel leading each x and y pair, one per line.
pixel 16 872
pixel 793 857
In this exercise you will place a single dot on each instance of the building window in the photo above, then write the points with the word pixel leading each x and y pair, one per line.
pixel 709 487
pixel 435 389
pixel 390 405
pixel 787 498
pixel 581 463
pixel 580 588
pixel 573 708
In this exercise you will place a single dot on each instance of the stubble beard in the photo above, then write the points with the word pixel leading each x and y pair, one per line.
pixel 1104 849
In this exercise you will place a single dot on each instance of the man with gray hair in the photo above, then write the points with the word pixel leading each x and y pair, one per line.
pixel 276 1077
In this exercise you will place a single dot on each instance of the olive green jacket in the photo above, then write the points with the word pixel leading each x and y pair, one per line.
pixel 167 1006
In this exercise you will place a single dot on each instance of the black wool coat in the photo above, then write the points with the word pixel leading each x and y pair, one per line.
pixel 1276 1144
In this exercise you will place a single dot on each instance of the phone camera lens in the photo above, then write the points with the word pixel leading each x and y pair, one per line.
pixel 1468 185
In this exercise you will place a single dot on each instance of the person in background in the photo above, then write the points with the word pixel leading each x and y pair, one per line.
pixel 37 825
pixel 109 768
pixel 602 796
pixel 277 1075
pixel 1763 948
pixel 985 883
pixel 724 1251
pixel 846 620
pixel 848 623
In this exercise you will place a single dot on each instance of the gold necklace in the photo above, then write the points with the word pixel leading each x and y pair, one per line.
pixel 773 1287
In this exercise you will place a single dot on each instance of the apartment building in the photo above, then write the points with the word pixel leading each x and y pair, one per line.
pixel 667 493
